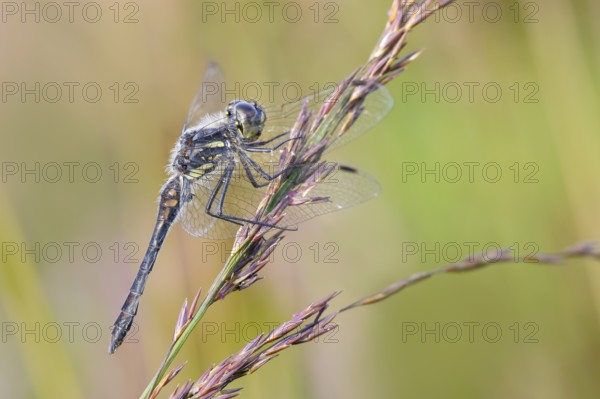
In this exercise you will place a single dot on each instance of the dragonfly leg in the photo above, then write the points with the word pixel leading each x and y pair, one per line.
pixel 255 148
pixel 262 143
pixel 247 162
pixel 221 187
pixel 221 190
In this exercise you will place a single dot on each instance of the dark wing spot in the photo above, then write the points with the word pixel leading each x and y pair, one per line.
pixel 348 169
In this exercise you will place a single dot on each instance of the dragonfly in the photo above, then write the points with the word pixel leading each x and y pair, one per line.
pixel 222 163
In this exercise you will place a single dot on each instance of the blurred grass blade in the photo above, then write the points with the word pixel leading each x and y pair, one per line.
pixel 51 373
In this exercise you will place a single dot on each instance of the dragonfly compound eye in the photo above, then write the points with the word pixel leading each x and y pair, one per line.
pixel 249 120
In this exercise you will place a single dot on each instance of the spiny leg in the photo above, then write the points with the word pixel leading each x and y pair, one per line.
pixel 256 147
pixel 246 163
pixel 222 186
pixel 262 143
pixel 246 160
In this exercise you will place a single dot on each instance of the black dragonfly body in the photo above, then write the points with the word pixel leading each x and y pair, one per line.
pixel 220 166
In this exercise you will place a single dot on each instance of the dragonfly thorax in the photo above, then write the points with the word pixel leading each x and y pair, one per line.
pixel 203 154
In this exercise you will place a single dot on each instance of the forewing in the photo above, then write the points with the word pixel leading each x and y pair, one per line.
pixel 281 117
pixel 376 106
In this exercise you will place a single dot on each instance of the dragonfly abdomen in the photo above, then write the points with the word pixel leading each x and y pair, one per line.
pixel 170 203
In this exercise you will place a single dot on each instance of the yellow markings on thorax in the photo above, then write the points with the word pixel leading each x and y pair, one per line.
pixel 215 144
pixel 208 162
pixel 202 169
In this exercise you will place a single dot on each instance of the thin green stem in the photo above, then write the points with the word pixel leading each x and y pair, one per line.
pixel 210 297
pixel 303 157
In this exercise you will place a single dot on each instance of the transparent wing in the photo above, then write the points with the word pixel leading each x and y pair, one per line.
pixel 240 201
pixel 193 216
pixel 376 106
pixel 208 99
pixel 343 188
pixel 280 119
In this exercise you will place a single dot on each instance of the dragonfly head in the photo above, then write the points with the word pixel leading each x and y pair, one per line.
pixel 248 118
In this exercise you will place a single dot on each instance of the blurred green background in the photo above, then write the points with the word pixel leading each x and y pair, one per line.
pixel 509 87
